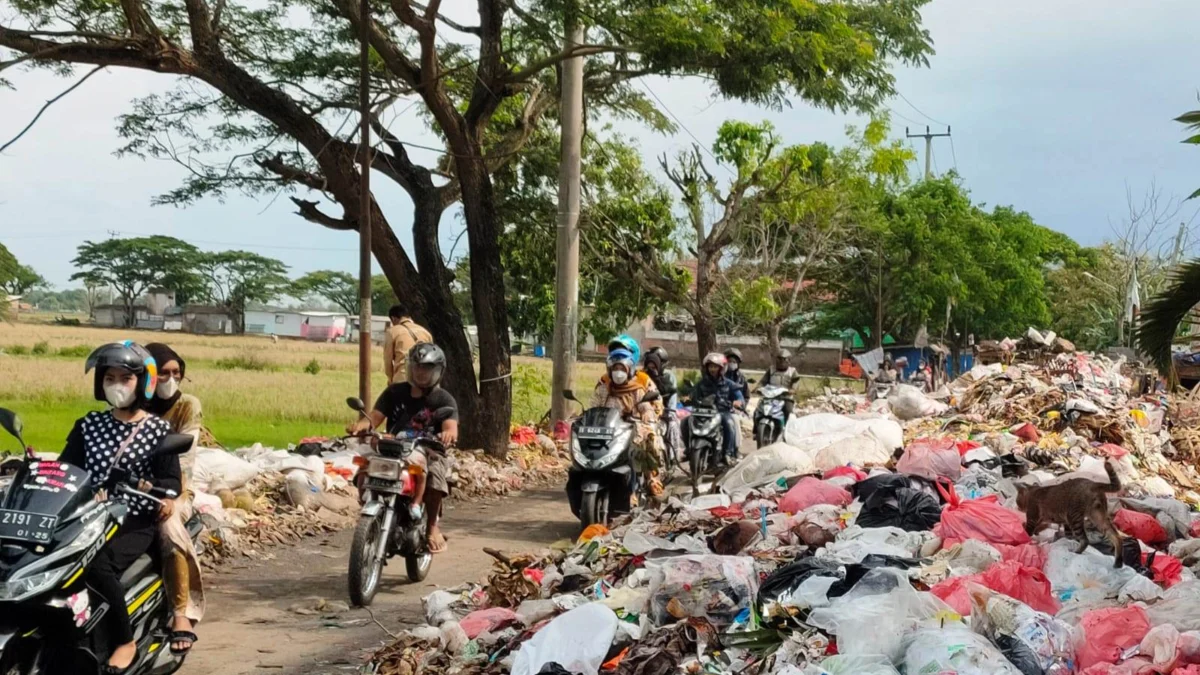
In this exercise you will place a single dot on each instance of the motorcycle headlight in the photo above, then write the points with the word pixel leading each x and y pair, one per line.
pixel 384 468
pixel 19 589
pixel 86 539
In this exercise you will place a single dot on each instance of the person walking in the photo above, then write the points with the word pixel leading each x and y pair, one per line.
pixel 401 336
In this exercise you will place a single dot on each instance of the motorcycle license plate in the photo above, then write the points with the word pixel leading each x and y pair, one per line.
pixel 29 527
pixel 596 431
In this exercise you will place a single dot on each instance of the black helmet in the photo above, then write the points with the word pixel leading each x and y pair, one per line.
pixel 734 353
pixel 426 354
pixel 128 355
pixel 660 354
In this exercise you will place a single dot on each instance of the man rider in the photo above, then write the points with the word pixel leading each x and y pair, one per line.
pixel 782 374
pixel 920 378
pixel 623 389
pixel 655 365
pixel 714 383
pixel 420 405
pixel 733 372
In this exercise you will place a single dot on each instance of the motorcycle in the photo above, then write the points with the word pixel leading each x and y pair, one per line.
pixel 770 416
pixel 601 473
pixel 704 441
pixel 51 528
pixel 386 525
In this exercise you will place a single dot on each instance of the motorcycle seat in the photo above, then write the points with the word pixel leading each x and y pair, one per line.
pixel 137 570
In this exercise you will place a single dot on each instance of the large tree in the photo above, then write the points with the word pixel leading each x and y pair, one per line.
pixel 280 77
pixel 135 265
pixel 234 279
pixel 23 280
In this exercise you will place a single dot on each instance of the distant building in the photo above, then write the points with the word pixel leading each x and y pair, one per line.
pixel 115 316
pixel 290 323
pixel 205 320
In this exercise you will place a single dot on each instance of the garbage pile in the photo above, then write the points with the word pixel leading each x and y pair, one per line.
pixel 863 544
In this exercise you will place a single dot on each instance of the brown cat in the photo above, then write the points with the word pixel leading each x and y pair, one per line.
pixel 1070 504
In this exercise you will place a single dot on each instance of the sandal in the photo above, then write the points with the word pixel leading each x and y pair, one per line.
pixel 113 670
pixel 182 636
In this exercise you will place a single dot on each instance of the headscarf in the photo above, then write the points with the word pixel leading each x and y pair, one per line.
pixel 162 354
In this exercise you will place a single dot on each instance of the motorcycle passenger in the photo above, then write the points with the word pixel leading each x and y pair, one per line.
pixel 420 405
pixel 123 437
pixel 782 374
pixel 655 365
pixel 181 567
pixel 920 378
pixel 726 397
pixel 623 389
pixel 733 372
pixel 626 342
pixel 885 376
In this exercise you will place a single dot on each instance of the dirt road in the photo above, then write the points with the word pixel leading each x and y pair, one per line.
pixel 256 621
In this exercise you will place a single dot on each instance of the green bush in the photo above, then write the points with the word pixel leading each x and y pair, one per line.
pixel 245 361
pixel 41 349
pixel 16 350
pixel 530 394
pixel 313 367
pixel 76 352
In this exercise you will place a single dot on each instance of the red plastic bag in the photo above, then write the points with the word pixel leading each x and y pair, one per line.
pixel 932 458
pixel 1013 579
pixel 1141 526
pixel 966 446
pixel 1027 432
pixel 849 471
pixel 810 492
pixel 1167 569
pixel 1113 450
pixel 1104 634
pixel 487 620
pixel 1029 555
pixel 983 519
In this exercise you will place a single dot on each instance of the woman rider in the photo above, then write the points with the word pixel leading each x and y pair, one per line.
pixel 181 567
pixel 123 438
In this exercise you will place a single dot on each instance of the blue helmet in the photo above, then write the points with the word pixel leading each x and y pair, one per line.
pixel 623 341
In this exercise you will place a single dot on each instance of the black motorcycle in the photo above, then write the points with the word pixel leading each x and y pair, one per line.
pixel 600 481
pixel 51 527
pixel 770 417
pixel 703 442
pixel 386 526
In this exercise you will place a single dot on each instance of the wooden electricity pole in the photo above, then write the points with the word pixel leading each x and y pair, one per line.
pixel 364 208
pixel 928 146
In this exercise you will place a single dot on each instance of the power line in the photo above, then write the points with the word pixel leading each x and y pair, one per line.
pixel 919 111
pixel 897 114
pixel 928 136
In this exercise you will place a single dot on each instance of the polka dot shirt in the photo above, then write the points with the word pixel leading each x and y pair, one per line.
pixel 102 437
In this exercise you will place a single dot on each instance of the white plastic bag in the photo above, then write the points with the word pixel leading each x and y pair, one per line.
pixel 909 403
pixel 639 543
pixel 578 641
pixel 954 649
pixel 217 470
pixel 1178 607
pixel 1033 641
pixel 833 440
pixel 853 664
pixel 1087 577
pixel 766 465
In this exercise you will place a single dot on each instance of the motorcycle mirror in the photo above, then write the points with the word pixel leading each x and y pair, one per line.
pixel 570 395
pixel 174 444
pixel 651 396
pixel 356 404
pixel 12 424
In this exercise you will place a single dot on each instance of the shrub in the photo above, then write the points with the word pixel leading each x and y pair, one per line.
pixel 16 350
pixel 313 367
pixel 245 361
pixel 41 349
pixel 76 351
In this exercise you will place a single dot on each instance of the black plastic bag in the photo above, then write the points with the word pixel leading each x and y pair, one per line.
pixel 867 487
pixel 790 576
pixel 1020 655
pixel 553 668
pixel 908 509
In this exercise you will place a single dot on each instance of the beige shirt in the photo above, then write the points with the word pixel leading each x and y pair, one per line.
pixel 396 342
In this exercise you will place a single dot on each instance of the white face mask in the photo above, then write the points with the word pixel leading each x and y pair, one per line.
pixel 733 366
pixel 118 395
pixel 620 377
pixel 167 388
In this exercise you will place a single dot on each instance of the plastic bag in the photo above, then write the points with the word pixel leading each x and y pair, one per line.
pixel 876 614
pixel 1178 607
pixel 844 472
pixel 1086 577
pixel 216 470
pixel 906 508
pixel 931 458
pixel 1026 584
pixel 833 440
pixel 487 620
pixel 865 488
pixel 766 465
pixel 954 649
pixel 1172 514
pixel 1167 570
pixel 1145 528
pixel 1035 642
pixel 811 492
pixel 853 664
pixel 982 519
pixel 1029 555
pixel 783 585
pixel 908 403
pixel 856 543
pixel 1103 635
pixel 711 586
pixel 577 640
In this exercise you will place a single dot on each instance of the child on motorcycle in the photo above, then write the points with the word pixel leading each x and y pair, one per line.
pixel 419 404
pixel 624 389
pixel 655 365
pixel 123 438
pixel 714 383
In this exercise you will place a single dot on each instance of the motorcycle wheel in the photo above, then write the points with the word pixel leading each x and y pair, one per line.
pixel 763 435
pixel 696 466
pixel 417 566
pixel 365 566
pixel 593 509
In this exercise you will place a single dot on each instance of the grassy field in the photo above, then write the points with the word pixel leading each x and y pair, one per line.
pixel 253 390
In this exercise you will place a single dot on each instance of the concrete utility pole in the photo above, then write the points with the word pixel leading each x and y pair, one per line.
pixel 566 301
pixel 364 207
pixel 928 146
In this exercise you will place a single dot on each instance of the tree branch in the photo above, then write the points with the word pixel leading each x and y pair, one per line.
pixel 309 211
pixel 107 51
pixel 292 174
pixel 474 30
pixel 550 61
pixel 47 105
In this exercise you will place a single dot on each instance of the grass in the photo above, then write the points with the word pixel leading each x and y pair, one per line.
pixel 252 390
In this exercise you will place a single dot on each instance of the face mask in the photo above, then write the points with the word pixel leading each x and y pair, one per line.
pixel 733 366
pixel 118 395
pixel 620 377
pixel 167 388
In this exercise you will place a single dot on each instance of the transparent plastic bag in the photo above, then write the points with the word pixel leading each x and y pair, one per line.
pixel 853 664
pixel 578 641
pixel 1035 642
pixel 954 650
pixel 714 587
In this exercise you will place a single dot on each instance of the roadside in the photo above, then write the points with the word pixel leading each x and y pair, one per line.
pixel 263 616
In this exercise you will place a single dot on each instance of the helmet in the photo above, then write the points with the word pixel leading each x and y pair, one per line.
pixel 714 358
pixel 426 354
pixel 784 354
pixel 623 341
pixel 734 353
pixel 128 355
pixel 660 354
pixel 620 357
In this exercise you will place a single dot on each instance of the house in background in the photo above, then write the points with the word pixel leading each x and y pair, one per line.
pixel 290 323
pixel 113 316
pixel 205 320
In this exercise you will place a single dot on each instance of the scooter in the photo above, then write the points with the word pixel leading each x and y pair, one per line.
pixel 51 528
pixel 386 525
pixel 770 416
pixel 600 480
pixel 704 442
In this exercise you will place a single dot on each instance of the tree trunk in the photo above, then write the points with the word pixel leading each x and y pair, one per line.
pixel 773 338
pixel 706 331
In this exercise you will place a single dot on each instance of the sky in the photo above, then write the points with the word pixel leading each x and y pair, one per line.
pixel 1056 107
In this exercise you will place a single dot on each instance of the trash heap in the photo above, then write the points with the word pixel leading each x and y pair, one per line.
pixel 867 544
pixel 256 497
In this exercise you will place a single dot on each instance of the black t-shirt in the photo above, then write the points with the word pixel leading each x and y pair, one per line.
pixel 423 415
